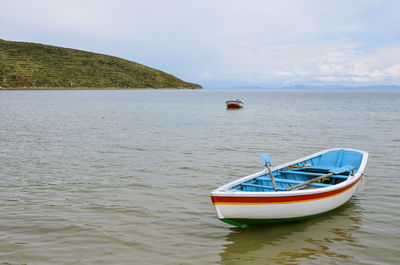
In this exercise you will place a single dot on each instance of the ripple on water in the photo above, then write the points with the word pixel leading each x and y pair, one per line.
pixel 124 177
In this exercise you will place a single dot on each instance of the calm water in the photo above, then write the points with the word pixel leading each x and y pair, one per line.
pixel 123 177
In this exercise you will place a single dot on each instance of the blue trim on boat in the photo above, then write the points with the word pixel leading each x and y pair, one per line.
pixel 340 162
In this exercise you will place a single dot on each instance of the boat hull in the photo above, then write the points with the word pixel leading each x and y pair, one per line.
pixel 251 210
pixel 233 106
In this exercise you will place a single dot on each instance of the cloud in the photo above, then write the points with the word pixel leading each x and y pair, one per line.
pixel 393 71
pixel 315 62
pixel 206 74
pixel 255 42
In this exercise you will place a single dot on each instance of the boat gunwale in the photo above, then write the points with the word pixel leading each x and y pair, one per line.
pixel 224 190
pixel 234 101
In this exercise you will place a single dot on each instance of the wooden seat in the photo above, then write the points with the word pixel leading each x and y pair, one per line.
pixel 261 186
pixel 317 171
pixel 323 169
pixel 293 181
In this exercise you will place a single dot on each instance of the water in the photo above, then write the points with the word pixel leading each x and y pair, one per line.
pixel 123 177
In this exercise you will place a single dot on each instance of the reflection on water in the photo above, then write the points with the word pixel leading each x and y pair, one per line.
pixel 308 242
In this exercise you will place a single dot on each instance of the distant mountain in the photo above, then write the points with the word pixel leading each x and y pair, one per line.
pixel 382 87
pixel 32 65
pixel 304 87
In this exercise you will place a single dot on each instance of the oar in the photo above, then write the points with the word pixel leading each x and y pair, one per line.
pixel 309 181
pixel 335 170
pixel 267 162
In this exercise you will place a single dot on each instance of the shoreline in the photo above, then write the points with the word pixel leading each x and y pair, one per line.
pixel 97 88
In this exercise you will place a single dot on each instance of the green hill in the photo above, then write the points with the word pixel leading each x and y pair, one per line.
pixel 38 66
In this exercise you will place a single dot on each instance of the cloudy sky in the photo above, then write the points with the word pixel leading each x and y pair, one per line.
pixel 219 43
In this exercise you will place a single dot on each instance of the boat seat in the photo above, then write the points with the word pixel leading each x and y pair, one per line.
pixel 327 169
pixel 294 181
pixel 261 186
pixel 311 173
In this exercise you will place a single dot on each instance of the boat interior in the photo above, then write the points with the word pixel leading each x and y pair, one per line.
pixel 335 165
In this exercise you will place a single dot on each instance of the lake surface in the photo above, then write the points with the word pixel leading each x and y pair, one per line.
pixel 124 177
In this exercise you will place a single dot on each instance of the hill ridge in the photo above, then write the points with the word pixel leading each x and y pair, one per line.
pixel 39 66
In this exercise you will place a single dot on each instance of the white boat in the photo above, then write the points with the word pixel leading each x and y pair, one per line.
pixel 293 191
pixel 234 104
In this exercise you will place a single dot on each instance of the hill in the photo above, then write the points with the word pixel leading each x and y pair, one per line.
pixel 32 65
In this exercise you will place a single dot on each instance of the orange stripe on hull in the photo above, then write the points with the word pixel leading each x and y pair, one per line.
pixel 282 199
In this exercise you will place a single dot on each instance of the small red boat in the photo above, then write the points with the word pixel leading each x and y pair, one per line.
pixel 234 104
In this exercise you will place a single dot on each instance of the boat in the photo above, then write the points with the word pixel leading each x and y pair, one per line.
pixel 234 104
pixel 293 191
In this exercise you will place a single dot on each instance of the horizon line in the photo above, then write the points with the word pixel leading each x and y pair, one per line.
pixel 309 87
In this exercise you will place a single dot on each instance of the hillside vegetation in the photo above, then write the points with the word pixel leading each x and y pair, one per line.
pixel 31 65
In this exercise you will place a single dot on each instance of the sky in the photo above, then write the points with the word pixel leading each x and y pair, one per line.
pixel 222 43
